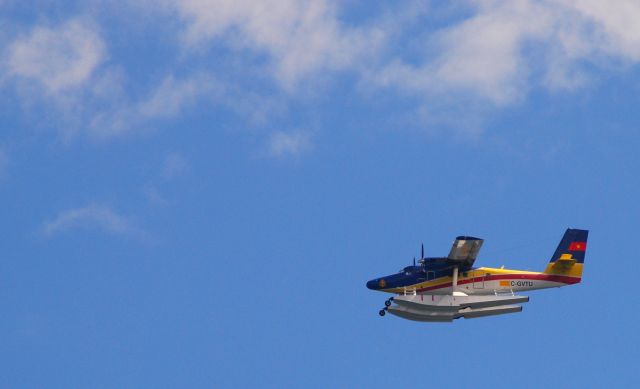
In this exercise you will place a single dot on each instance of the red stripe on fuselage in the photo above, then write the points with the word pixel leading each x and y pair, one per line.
pixel 542 277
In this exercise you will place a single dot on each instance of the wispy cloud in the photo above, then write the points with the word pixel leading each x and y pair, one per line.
pixel 59 71
pixel 489 55
pixel 93 216
pixel 58 58
pixel 173 95
pixel 491 58
pixel 166 100
pixel 293 144
pixel 500 52
pixel 300 37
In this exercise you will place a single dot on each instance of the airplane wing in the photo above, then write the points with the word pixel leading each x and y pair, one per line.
pixel 465 249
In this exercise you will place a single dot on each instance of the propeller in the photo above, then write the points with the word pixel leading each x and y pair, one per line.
pixel 422 259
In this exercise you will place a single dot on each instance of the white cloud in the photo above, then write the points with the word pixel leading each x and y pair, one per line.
pixel 615 24
pixel 166 100
pixel 172 95
pixel 480 55
pixel 504 49
pixel 58 58
pixel 300 37
pixel 58 72
pixel 492 57
pixel 93 216
pixel 282 144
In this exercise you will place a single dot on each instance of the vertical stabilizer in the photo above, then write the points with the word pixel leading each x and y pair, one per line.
pixel 568 259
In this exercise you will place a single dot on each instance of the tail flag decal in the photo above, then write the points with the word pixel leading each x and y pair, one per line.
pixel 578 246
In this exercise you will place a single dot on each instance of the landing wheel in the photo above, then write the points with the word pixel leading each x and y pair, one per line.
pixel 382 312
pixel 387 303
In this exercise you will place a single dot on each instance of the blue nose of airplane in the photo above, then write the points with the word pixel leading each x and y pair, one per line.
pixel 377 284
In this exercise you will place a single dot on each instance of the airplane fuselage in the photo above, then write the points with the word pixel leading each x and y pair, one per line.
pixel 472 281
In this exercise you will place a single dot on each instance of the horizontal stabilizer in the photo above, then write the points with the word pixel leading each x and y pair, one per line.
pixel 565 260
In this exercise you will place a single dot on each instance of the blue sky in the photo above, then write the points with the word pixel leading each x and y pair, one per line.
pixel 195 192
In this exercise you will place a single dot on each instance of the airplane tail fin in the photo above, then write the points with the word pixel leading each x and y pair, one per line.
pixel 568 259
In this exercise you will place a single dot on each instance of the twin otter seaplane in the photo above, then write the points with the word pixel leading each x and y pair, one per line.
pixel 446 288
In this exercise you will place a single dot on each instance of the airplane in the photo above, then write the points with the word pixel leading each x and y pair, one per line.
pixel 442 289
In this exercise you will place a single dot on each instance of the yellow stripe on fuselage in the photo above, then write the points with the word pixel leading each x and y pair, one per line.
pixel 574 271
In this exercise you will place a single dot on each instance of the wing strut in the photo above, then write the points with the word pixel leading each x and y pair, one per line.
pixel 454 284
pixel 455 279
